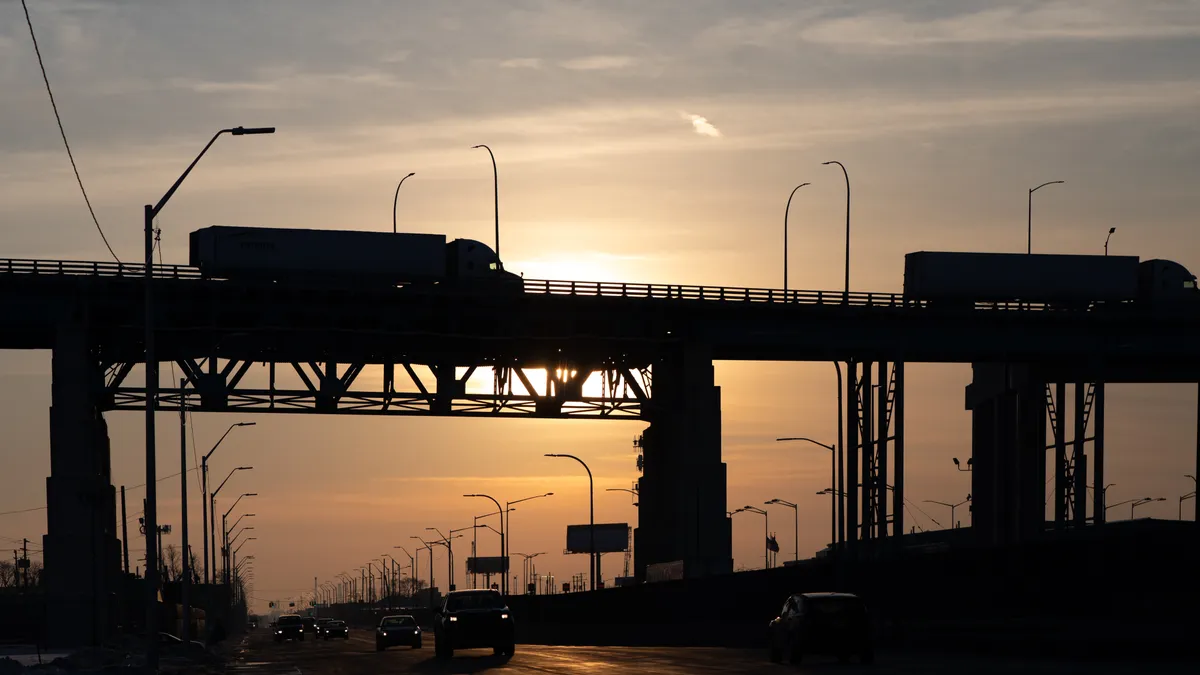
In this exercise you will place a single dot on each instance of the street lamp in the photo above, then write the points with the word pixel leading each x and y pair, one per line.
pixel 833 501
pixel 151 515
pixel 525 566
pixel 429 547
pixel 594 570
pixel 204 496
pixel 847 176
pixel 766 533
pixel 507 516
pixel 396 199
pixel 1182 499
pixel 1144 500
pixel 953 522
pixel 212 514
pixel 225 529
pixel 1029 223
pixel 632 492
pixel 786 209
pixel 504 574
pixel 1111 230
pixel 496 190
pixel 959 466
pixel 796 513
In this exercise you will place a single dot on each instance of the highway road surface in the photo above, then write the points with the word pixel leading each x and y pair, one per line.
pixel 357 656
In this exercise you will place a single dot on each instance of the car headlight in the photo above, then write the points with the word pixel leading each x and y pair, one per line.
pixel 385 634
pixel 417 631
pixel 503 616
pixel 453 619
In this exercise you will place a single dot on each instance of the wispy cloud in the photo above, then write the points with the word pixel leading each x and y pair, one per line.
pixel 702 126
pixel 1109 20
pixel 601 62
pixel 521 63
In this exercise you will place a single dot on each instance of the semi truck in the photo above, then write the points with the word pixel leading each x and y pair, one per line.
pixel 291 255
pixel 949 278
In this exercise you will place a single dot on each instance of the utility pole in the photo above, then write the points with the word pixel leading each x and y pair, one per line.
pixel 186 581
pixel 25 561
pixel 124 531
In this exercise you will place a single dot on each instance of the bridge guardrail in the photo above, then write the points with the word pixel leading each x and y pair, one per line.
pixel 544 287
pixel 95 269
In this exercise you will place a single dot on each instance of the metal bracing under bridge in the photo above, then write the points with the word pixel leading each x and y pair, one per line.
pixel 214 385
pixel 875 419
pixel 1070 472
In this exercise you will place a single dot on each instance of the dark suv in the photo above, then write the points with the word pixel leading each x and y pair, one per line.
pixel 470 619
pixel 289 627
pixel 821 623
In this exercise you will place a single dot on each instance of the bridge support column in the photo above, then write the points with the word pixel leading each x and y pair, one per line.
pixel 1008 446
pixel 80 550
pixel 681 494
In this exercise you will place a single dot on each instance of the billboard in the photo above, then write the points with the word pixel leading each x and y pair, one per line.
pixel 487 565
pixel 610 538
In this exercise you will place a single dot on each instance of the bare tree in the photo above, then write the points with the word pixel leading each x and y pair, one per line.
pixel 35 573
pixel 8 576
pixel 194 565
pixel 410 586
pixel 174 563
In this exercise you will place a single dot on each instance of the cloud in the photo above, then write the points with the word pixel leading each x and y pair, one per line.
pixel 521 63
pixel 1052 21
pixel 702 126
pixel 599 63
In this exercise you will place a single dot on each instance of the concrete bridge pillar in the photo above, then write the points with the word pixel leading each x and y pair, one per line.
pixel 681 499
pixel 1008 450
pixel 80 550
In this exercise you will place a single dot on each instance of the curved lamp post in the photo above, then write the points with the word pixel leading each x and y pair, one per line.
pixel 786 209
pixel 595 559
pixel 847 176
pixel 1029 221
pixel 396 199
pixel 496 191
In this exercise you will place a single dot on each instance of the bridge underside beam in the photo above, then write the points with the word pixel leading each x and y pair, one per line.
pixel 562 390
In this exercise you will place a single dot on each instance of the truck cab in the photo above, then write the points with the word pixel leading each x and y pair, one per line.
pixel 1165 282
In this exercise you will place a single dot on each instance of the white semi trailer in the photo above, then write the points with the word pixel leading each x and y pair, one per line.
pixel 358 257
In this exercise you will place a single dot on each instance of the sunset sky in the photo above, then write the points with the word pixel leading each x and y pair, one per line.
pixel 636 141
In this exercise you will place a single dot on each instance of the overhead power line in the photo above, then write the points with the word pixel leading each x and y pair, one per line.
pixel 63 132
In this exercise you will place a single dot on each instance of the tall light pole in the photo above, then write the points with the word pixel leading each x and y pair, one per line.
pixel 204 493
pixel 225 531
pixel 1144 500
pixel 212 514
pixel 840 486
pixel 1184 498
pixel 496 191
pixel 786 209
pixel 1111 231
pixel 847 176
pixel 1029 221
pixel 475 542
pixel 594 571
pixel 504 574
pixel 151 515
pixel 953 522
pixel 632 492
pixel 396 199
pixel 796 513
pixel 507 516
pixel 833 502
pixel 429 546
pixel 766 533
pixel 525 567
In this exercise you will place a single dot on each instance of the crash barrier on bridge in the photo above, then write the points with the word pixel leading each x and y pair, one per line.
pixel 1073 592
pixel 547 287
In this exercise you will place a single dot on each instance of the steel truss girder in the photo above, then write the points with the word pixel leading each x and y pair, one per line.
pixel 213 385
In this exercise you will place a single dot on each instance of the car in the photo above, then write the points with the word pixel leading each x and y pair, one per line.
pixel 475 618
pixel 289 627
pixel 821 623
pixel 336 628
pixel 310 626
pixel 397 630
pixel 322 622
